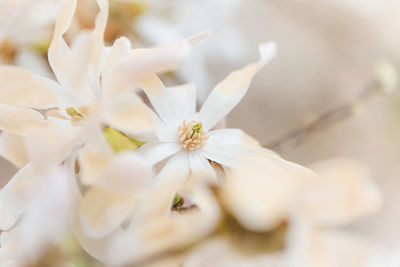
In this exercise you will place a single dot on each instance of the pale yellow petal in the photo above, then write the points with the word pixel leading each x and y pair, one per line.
pixel 24 88
pixel 102 211
pixel 343 192
pixel 128 114
pixel 260 188
pixel 12 148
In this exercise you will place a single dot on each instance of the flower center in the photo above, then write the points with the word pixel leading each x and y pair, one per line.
pixel 8 51
pixel 191 135
pixel 77 115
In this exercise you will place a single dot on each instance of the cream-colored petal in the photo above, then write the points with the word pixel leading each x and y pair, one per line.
pixel 78 69
pixel 155 230
pixel 228 93
pixel 223 145
pixel 19 120
pixel 12 148
pixel 128 114
pixel 102 211
pixel 260 188
pixel 126 172
pixel 53 143
pixel 142 63
pixel 24 88
pixel 14 197
pixel 309 246
pixel 343 192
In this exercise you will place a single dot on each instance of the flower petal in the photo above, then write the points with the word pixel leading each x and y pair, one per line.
pixel 15 196
pixel 78 68
pixel 175 104
pixel 144 62
pixel 126 172
pixel 12 148
pixel 19 120
pixel 155 152
pixel 260 188
pixel 128 114
pixel 52 143
pixel 344 192
pixel 228 93
pixel 200 167
pixel 24 88
pixel 102 211
pixel 223 145
pixel 156 230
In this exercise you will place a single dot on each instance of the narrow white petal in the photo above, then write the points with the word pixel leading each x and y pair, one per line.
pixel 175 104
pixel 155 152
pixel 228 93
pixel 200 167
pixel 223 146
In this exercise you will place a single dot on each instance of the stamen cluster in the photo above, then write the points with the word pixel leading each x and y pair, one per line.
pixel 191 135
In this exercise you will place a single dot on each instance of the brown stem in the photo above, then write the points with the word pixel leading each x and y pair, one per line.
pixel 294 138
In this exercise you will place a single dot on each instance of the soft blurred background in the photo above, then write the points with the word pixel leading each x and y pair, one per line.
pixel 327 51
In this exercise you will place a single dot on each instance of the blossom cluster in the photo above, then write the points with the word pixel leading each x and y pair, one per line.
pixel 140 175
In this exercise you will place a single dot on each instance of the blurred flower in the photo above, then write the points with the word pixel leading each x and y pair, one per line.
pixel 53 123
pixel 343 193
pixel 25 31
pixel 388 76
pixel 35 231
pixel 164 21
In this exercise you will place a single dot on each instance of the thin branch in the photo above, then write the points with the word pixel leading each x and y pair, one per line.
pixel 296 137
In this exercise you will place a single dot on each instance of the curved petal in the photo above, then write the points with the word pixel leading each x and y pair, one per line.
pixel 126 172
pixel 223 145
pixel 175 104
pixel 155 152
pixel 78 69
pixel 156 230
pixel 14 197
pixel 128 114
pixel 200 167
pixel 344 192
pixel 261 188
pixel 228 93
pixel 51 144
pixel 22 87
pixel 102 211
pixel 142 63
pixel 19 120
pixel 12 148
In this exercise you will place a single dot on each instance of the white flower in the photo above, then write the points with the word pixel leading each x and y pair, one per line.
pixel 56 122
pixel 25 26
pixel 186 134
pixel 188 142
pixel 45 221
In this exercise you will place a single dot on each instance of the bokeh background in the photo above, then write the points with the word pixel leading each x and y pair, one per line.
pixel 327 51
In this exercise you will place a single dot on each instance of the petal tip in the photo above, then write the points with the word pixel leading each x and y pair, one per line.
pixel 199 37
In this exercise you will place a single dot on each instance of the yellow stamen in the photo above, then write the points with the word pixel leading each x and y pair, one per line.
pixel 191 135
